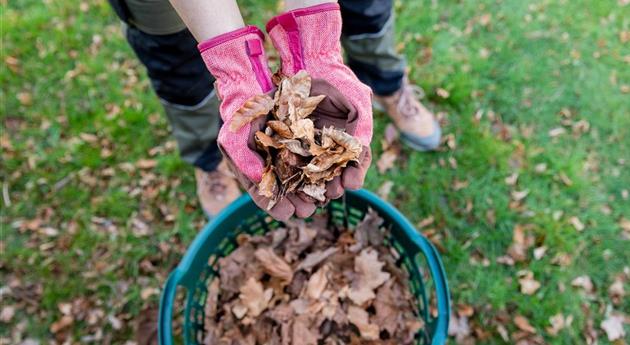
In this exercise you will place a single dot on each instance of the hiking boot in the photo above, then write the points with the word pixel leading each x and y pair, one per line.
pixel 417 125
pixel 216 189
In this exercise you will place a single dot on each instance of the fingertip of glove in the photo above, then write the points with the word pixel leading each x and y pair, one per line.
pixel 282 211
pixel 334 188
pixel 303 208
pixel 353 178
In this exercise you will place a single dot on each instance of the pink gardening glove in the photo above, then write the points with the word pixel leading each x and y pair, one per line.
pixel 237 61
pixel 309 39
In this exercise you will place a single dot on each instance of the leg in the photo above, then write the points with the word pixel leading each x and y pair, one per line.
pixel 185 88
pixel 369 41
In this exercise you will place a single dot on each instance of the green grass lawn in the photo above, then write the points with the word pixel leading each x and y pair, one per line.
pixel 534 97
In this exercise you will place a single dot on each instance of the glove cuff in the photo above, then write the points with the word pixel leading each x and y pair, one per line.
pixel 238 57
pixel 306 35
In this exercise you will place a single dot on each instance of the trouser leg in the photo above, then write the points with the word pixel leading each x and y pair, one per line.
pixel 370 44
pixel 178 75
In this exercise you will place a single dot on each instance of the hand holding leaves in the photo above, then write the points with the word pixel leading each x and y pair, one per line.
pixel 305 144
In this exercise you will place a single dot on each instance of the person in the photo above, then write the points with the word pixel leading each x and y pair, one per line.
pixel 190 46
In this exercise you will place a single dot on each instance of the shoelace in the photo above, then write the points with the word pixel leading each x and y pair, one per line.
pixel 407 102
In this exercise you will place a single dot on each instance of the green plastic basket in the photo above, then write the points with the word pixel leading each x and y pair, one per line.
pixel 418 257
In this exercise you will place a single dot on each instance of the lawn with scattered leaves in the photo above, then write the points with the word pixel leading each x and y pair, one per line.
pixel 527 199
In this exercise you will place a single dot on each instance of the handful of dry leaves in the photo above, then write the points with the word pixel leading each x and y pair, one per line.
pixel 298 156
pixel 307 284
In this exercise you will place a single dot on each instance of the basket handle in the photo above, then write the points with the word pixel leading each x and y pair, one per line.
pixel 165 317
pixel 441 288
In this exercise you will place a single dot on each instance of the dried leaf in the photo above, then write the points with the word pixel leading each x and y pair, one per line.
pixel 316 191
pixel 266 141
pixel 296 147
pixel 309 105
pixel 583 282
pixel 252 109
pixel 315 258
pixel 385 189
pixel 303 333
pixel 299 84
pixel 359 317
pixel 370 276
pixel 558 322
pixel 254 297
pixel 387 305
pixel 459 328
pixel 528 284
pixel 274 265
pixel 577 224
pixel 317 283
pixel 268 186
pixel 523 324
pixel 613 326
pixel 386 160
pixel 305 129
pixel 212 300
pixel 280 128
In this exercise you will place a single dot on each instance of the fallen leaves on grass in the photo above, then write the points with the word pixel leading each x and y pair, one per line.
pixel 522 240
pixel 304 284
pixel 528 284
pixel 583 282
pixel 558 322
pixel 577 223
pixel 25 98
pixel 613 326
pixel 523 324
pixel 391 149
pixel 616 291
pixel 459 328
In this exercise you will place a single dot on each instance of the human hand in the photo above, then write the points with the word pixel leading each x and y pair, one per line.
pixel 309 39
pixel 237 60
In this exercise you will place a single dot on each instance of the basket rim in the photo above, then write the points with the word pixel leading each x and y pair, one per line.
pixel 436 267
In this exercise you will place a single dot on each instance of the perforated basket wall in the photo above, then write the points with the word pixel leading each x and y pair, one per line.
pixel 413 258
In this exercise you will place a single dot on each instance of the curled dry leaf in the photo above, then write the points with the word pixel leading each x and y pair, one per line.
pixel 313 259
pixel 254 297
pixel 274 265
pixel 253 108
pixel 268 185
pixel 266 141
pixel 280 128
